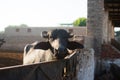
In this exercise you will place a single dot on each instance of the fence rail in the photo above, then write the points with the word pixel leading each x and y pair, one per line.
pixel 77 66
pixel 53 70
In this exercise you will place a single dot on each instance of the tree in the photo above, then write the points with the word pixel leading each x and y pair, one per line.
pixel 80 22
pixel 21 25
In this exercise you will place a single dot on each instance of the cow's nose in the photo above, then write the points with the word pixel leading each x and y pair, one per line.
pixel 62 50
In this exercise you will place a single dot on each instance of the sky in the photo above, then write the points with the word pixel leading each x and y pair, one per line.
pixel 116 29
pixel 40 13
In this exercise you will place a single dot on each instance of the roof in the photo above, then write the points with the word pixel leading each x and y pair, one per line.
pixel 113 7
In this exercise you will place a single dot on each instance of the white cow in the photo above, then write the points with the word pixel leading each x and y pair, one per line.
pixel 57 47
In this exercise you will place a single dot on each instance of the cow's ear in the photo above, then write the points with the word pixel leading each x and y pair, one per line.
pixel 74 45
pixel 44 34
pixel 42 45
pixel 71 35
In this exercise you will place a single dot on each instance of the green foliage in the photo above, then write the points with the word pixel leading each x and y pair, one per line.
pixel 80 22
pixel 22 25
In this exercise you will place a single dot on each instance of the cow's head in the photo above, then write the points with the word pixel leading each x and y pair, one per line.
pixel 58 40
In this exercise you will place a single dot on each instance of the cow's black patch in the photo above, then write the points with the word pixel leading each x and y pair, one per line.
pixel 42 45
pixel 74 45
pixel 28 47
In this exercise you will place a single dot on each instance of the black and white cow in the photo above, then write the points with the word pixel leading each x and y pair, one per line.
pixel 57 46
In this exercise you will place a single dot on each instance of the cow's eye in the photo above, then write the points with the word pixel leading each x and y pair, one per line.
pixel 52 38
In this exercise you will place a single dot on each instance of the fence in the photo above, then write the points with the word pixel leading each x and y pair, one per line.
pixel 77 66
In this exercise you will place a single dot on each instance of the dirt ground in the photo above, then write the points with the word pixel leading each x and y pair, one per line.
pixel 9 58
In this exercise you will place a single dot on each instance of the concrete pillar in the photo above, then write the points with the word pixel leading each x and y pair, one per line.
pixel 110 31
pixel 95 24
pixel 95 29
pixel 105 27
pixel 113 35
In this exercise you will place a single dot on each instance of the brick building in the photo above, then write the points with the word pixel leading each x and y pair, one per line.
pixel 17 38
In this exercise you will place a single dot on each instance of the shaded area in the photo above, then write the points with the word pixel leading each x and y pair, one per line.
pixel 109 52
pixel 113 7
pixel 112 74
pixel 10 58
pixel 116 44
pixel 4 62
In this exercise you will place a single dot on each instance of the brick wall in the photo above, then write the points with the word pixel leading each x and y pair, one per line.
pixel 95 23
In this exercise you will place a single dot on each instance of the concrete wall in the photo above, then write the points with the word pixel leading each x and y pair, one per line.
pixel 16 40
pixel 36 31
pixel 86 65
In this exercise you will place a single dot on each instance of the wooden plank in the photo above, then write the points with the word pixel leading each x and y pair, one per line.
pixel 40 71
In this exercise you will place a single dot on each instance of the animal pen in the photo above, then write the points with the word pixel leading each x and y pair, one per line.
pixel 77 66
pixel 103 16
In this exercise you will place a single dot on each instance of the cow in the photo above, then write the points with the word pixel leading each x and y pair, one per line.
pixel 57 46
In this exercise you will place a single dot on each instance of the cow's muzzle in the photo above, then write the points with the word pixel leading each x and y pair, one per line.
pixel 61 53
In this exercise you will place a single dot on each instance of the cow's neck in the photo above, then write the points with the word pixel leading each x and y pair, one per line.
pixel 52 50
